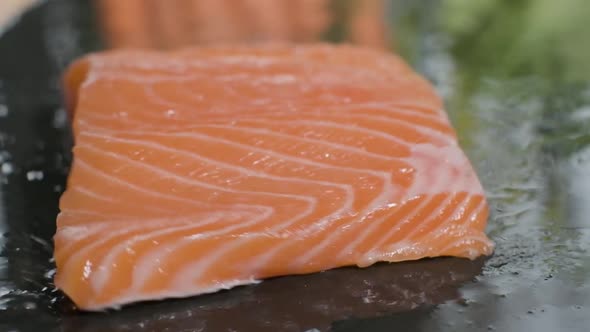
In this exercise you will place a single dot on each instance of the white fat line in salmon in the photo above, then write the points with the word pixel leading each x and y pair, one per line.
pixel 108 199
pixel 466 184
pixel 93 194
pixel 272 153
pixel 145 190
pixel 106 263
pixel 245 171
pixel 191 129
pixel 140 226
pixel 445 139
pixel 182 280
pixel 434 183
pixel 461 214
pixel 319 142
pixel 311 201
pixel 444 182
pixel 471 253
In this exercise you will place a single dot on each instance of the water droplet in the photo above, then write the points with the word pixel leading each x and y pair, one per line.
pixel 35 175
pixel 6 168
pixel 60 118
pixel 30 305
pixel 463 302
pixel 87 269
pixel 406 170
pixel 3 111
pixel 491 328
pixel 170 113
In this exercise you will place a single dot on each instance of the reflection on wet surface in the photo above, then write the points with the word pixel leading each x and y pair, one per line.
pixel 298 303
pixel 526 129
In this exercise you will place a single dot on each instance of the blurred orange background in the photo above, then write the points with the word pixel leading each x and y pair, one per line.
pixel 166 24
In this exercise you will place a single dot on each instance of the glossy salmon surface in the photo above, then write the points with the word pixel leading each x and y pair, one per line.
pixel 202 169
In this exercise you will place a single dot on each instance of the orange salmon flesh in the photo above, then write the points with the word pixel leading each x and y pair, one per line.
pixel 202 169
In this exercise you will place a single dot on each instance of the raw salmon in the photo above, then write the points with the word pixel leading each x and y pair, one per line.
pixel 207 168
pixel 162 25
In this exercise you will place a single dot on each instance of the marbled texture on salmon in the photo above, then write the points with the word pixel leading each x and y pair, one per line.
pixel 202 169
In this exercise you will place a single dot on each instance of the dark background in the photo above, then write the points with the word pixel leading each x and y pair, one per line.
pixel 516 81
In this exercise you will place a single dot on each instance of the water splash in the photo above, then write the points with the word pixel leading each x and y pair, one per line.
pixel 35 175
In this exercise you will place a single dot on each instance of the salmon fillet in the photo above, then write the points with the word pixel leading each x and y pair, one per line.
pixel 206 168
